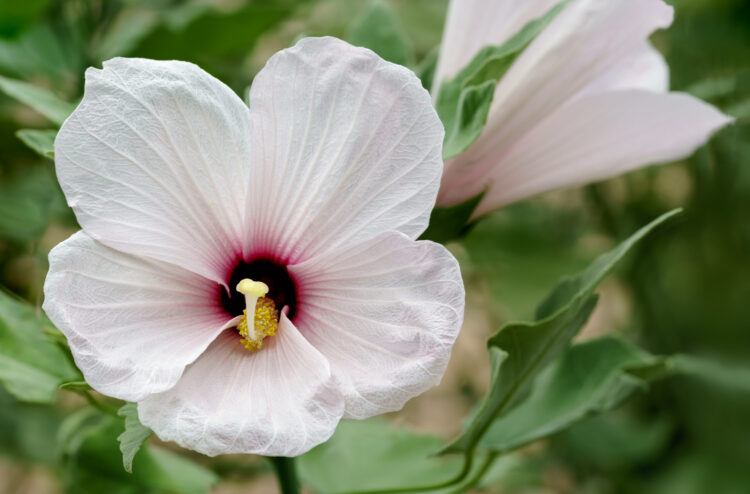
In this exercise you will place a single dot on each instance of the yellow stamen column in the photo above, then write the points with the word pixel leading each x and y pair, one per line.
pixel 260 317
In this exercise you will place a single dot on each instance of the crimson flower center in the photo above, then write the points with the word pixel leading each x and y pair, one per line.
pixel 281 287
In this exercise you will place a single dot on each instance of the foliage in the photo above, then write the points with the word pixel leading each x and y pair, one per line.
pixel 92 460
pixel 39 99
pixel 588 379
pixel 609 418
pixel 32 366
pixel 379 30
pixel 357 456
pixel 519 351
pixel 41 141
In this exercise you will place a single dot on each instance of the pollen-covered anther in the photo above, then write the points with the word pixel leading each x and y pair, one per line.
pixel 266 317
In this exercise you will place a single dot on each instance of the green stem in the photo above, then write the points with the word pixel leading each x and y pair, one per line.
pixel 458 479
pixel 286 473
pixel 98 404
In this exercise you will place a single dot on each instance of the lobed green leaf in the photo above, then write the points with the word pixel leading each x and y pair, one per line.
pixel 585 282
pixel 519 351
pixel 589 378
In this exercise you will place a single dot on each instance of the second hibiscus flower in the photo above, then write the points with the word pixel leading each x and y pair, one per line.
pixel 586 100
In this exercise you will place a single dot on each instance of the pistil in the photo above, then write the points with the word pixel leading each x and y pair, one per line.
pixel 264 313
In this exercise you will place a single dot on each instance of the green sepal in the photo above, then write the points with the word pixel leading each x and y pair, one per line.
pixel 134 435
pixel 451 222
pixel 464 102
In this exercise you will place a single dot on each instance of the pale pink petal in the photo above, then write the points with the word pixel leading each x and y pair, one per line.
pixel 132 324
pixel 473 24
pixel 643 68
pixel 601 136
pixel 385 313
pixel 586 41
pixel 278 401
pixel 154 162
pixel 345 146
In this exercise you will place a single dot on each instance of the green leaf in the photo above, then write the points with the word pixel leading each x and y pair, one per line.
pixel 41 141
pixel 585 282
pixel 135 434
pixel 27 431
pixel 425 70
pixel 163 470
pixel 532 346
pixel 452 222
pixel 523 250
pixel 379 30
pixel 29 199
pixel 740 110
pixel 373 454
pixel 16 16
pixel 520 350
pixel 730 376
pixel 31 366
pixel 127 30
pixel 464 102
pixel 37 98
pixel 615 441
pixel 94 462
pixel 44 51
pixel 589 378
pixel 218 39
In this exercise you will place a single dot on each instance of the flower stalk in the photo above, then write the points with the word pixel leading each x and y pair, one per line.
pixel 286 473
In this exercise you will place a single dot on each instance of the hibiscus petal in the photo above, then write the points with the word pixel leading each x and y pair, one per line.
pixel 345 146
pixel 587 41
pixel 601 136
pixel 279 401
pixel 154 162
pixel 132 324
pixel 473 24
pixel 385 313
pixel 643 68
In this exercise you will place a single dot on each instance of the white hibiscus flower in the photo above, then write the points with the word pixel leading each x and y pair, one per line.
pixel 302 210
pixel 587 99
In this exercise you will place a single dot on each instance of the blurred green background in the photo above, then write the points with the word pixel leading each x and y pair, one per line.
pixel 686 290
